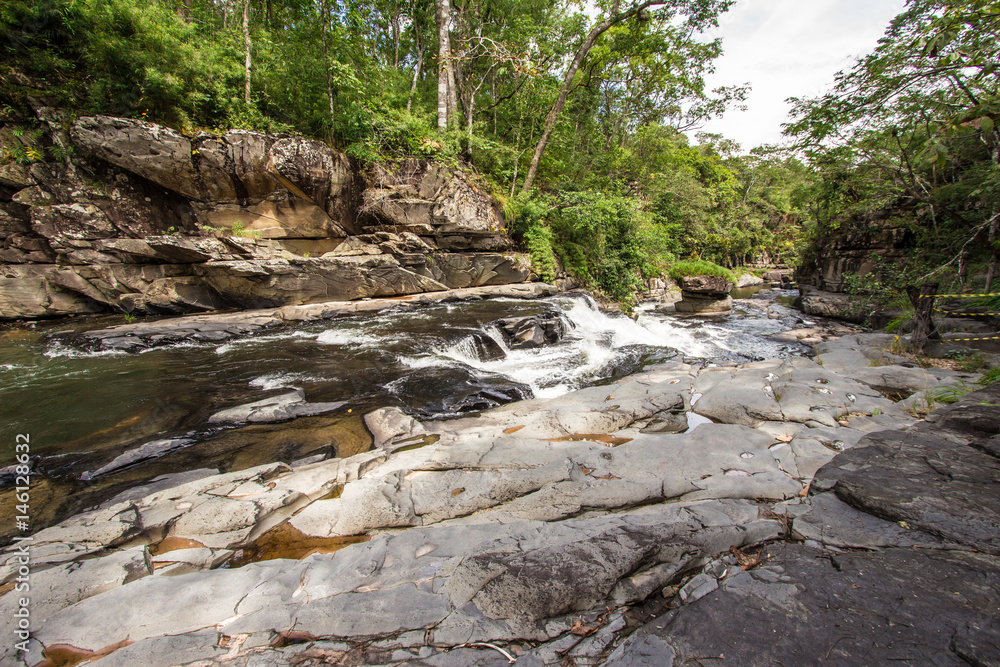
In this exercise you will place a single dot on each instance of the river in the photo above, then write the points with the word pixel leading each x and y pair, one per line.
pixel 82 409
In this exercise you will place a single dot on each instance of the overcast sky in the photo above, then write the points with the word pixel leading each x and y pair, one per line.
pixel 789 48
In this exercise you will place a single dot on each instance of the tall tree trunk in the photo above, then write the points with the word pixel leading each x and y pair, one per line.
pixel 581 54
pixel 269 14
pixel 446 74
pixel 395 38
pixel 416 75
pixel 246 44
pixel 325 18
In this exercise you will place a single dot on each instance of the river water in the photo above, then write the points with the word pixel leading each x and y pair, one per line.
pixel 83 409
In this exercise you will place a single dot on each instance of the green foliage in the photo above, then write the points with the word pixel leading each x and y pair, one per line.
pixel 238 230
pixel 991 376
pixel 950 393
pixel 700 267
pixel 910 130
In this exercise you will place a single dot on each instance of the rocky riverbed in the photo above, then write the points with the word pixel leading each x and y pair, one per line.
pixel 796 509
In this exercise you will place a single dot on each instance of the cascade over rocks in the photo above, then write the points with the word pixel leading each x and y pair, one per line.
pixel 146 219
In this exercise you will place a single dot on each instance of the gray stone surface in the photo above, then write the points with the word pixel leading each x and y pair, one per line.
pixel 282 407
pixel 809 607
pixel 544 527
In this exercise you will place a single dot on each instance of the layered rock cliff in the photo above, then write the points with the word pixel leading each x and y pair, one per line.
pixel 852 249
pixel 137 217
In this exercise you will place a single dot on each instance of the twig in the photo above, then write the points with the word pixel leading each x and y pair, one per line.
pixel 510 659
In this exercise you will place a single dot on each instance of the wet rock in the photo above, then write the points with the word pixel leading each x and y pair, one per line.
pixel 533 331
pixel 485 348
pixel 214 327
pixel 275 409
pixel 150 450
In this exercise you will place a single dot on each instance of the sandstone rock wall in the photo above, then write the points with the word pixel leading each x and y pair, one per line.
pixel 853 249
pixel 141 218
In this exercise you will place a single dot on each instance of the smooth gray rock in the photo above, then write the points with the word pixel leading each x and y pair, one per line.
pixel 274 409
pixel 153 449
pixel 511 576
pixel 808 607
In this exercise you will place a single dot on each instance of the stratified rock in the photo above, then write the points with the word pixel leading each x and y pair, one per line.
pixel 433 201
pixel 689 305
pixel 477 582
pixel 704 295
pixel 927 482
pixel 709 286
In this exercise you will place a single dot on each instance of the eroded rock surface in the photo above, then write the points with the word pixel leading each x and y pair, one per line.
pixel 146 219
pixel 549 528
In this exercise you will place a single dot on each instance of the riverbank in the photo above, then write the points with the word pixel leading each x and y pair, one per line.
pixel 553 528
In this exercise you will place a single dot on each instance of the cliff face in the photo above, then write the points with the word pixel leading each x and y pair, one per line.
pixel 853 249
pixel 141 218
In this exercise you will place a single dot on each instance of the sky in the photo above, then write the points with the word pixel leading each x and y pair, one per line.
pixel 789 48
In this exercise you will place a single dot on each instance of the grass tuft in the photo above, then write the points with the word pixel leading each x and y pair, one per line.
pixel 700 267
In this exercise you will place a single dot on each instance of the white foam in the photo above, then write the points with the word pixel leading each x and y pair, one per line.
pixel 348 337
pixel 57 349
pixel 281 380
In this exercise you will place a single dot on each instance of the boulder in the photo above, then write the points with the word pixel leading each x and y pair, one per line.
pixel 704 295
pixel 829 304
pixel 710 286
pixel 689 305
pixel 274 409
pixel 532 331
pixel 749 280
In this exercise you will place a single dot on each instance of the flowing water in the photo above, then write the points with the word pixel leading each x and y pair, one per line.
pixel 83 409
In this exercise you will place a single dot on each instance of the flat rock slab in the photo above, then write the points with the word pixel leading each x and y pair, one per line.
pixel 805 606
pixel 283 407
pixel 463 583
pixel 949 490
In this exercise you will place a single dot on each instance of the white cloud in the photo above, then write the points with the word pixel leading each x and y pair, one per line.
pixel 789 48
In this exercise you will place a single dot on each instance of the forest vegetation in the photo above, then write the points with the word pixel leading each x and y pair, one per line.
pixel 583 121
